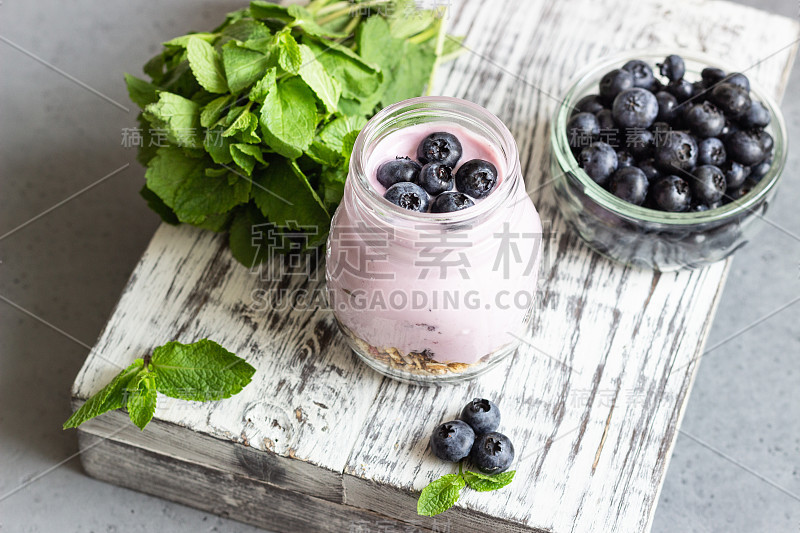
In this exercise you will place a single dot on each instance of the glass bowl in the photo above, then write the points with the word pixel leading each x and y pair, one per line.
pixel 646 238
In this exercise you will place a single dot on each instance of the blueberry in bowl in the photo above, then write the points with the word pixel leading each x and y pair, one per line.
pixel 699 153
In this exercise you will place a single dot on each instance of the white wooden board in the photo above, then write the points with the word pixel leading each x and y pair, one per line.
pixel 593 409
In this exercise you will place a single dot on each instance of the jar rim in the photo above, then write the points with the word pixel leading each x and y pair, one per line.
pixel 569 165
pixel 358 179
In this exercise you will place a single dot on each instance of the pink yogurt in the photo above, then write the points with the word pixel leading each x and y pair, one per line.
pixel 476 305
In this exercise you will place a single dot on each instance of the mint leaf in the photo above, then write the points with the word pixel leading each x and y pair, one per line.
pixel 217 146
pixel 376 45
pixel 285 197
pixel 141 403
pixel 407 19
pixel 486 483
pixel 157 204
pixel 243 66
pixel 169 170
pixel 321 153
pixel 246 29
pixel 246 246
pixel 289 57
pixel 440 495
pixel 411 73
pixel 358 78
pixel 200 196
pixel 289 117
pixel 141 92
pixel 259 91
pixel 200 371
pixel 183 40
pixel 261 9
pixel 178 117
pixel 246 155
pixel 334 132
pixel 305 20
pixel 213 110
pixel 110 397
pixel 206 65
pixel 327 89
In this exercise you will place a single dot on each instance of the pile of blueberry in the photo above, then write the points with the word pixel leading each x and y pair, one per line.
pixel 474 436
pixel 428 184
pixel 679 146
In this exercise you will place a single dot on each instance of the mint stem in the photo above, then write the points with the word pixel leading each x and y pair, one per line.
pixel 146 360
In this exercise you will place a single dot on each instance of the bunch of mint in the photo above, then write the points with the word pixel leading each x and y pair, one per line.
pixel 201 371
pixel 253 123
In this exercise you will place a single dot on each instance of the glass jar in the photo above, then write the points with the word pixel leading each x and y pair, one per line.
pixel 434 297
pixel 642 237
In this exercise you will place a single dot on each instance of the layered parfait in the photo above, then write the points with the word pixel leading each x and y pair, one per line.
pixel 433 255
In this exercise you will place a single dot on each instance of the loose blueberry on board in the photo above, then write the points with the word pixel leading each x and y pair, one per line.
pixel 711 151
pixel 705 120
pixel 408 196
pixel 648 166
pixel 599 161
pixel 635 108
pixel 756 116
pixel 666 106
pixel 732 99
pixel 673 67
pixel 712 75
pixel 614 82
pixel 708 184
pixel 435 178
pixel 642 73
pixel 681 89
pixel 624 159
pixel 671 193
pixel 397 170
pixel 735 174
pixel 492 453
pixel 629 184
pixel 589 104
pixel 740 80
pixel 440 147
pixel 448 202
pixel 677 151
pixel 482 415
pixel 477 178
pixel 582 129
pixel 452 441
pixel 746 147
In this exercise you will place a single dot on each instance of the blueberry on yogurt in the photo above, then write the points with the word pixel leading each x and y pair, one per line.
pixel 408 196
pixel 451 201
pixel 476 178
pixel 435 178
pixel 440 147
pixel 397 170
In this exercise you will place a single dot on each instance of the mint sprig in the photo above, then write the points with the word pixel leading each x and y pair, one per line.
pixel 244 125
pixel 442 493
pixel 201 371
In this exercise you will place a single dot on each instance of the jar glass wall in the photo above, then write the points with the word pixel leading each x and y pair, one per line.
pixel 433 297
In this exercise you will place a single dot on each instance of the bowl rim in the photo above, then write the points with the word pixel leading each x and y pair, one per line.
pixel 591 74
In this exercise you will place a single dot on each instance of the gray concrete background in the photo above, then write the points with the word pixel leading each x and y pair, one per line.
pixel 735 466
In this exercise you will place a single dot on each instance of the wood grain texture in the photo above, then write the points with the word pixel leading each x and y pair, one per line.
pixel 592 404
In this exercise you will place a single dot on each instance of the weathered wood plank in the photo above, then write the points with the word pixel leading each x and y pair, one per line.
pixel 244 499
pixel 595 403
pixel 593 407
pixel 187 286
